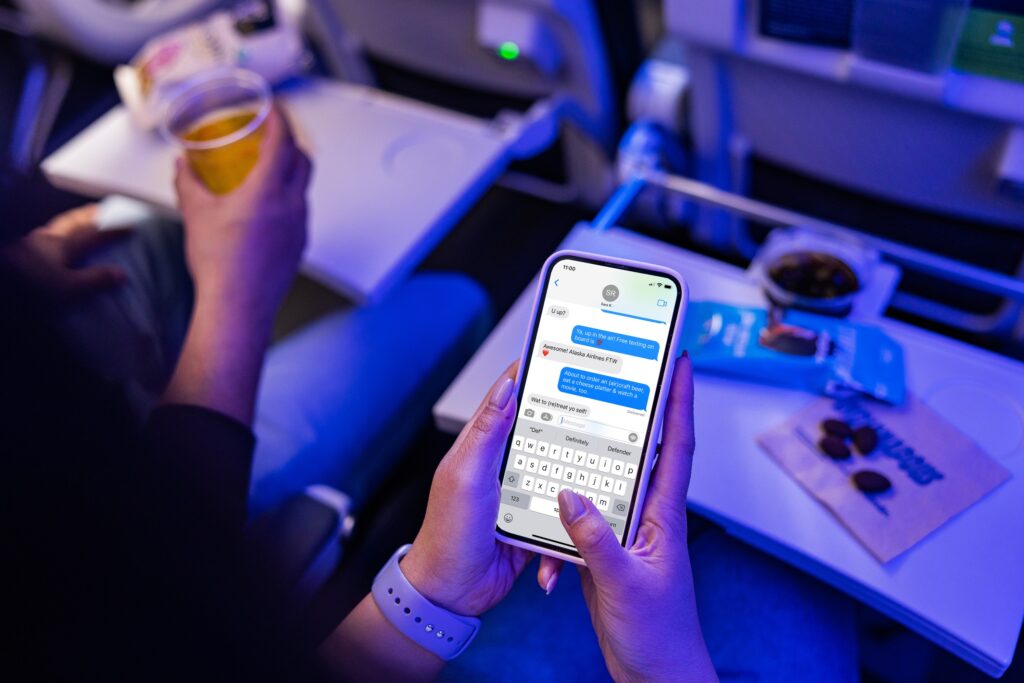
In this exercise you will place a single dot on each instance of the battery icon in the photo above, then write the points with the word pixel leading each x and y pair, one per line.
pixel 668 286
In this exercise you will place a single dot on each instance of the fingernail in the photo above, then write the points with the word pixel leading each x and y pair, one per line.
pixel 552 580
pixel 501 395
pixel 570 506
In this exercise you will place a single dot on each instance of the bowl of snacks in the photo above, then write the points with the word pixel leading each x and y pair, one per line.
pixel 813 271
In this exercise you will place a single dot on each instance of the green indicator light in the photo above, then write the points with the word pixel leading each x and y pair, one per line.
pixel 508 50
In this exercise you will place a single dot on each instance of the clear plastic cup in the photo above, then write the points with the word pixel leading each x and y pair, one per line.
pixel 218 120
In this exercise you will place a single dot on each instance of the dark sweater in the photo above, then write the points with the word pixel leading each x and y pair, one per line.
pixel 123 543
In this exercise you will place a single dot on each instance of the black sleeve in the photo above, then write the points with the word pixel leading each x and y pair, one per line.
pixel 208 455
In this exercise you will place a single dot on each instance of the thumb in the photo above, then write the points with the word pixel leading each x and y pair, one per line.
pixel 592 536
pixel 477 452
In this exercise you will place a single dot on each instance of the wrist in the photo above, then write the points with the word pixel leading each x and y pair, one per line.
pixel 429 581
pixel 234 307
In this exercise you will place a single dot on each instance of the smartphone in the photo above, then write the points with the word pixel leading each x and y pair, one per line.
pixel 592 385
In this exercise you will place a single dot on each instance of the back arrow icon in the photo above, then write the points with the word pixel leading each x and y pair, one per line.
pixel 556 282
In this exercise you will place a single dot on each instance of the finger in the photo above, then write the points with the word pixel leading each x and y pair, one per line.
pixel 279 150
pixel 86 281
pixel 185 181
pixel 591 534
pixel 548 572
pixel 666 498
pixel 85 238
pixel 487 431
pixel 69 221
pixel 300 173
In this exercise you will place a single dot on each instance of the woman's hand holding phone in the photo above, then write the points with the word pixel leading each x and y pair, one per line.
pixel 641 600
pixel 456 561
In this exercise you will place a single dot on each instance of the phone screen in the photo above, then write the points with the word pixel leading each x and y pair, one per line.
pixel 587 399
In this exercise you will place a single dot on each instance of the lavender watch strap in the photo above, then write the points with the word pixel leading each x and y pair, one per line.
pixel 434 628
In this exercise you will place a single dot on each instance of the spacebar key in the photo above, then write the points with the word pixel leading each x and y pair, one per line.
pixel 544 506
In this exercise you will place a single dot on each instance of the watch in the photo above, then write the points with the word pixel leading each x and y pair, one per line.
pixel 433 628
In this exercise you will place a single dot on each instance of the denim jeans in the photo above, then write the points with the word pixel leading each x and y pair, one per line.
pixel 762 621
pixel 339 401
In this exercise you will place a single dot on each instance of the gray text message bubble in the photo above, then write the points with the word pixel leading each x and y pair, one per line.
pixel 580 356
pixel 558 404
pixel 558 311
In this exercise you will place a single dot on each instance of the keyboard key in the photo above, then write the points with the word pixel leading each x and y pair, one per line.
pixel 616 525
pixel 579 491
pixel 594 481
pixel 579 458
pixel 554 452
pixel 606 465
pixel 620 507
pixel 527 483
pixel 570 475
pixel 591 496
pixel 516 499
pixel 631 470
pixel 545 506
pixel 603 503
pixel 556 471
pixel 581 477
pixel 519 461
pixel 542 448
pixel 618 468
pixel 567 455
pixel 592 461
pixel 606 484
pixel 512 479
pixel 531 465
pixel 553 489
pixel 620 487
pixel 544 468
pixel 518 441
pixel 531 445
pixel 540 485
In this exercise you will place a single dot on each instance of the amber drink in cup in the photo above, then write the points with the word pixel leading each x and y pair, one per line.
pixel 218 120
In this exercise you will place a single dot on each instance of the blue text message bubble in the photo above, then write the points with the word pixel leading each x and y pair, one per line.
pixel 613 341
pixel 621 392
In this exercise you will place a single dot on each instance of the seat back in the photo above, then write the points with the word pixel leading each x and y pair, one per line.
pixel 481 56
pixel 109 31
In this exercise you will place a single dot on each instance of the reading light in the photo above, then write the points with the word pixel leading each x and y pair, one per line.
pixel 508 51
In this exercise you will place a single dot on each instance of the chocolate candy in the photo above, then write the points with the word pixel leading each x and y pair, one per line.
pixel 837 428
pixel 834 447
pixel 869 481
pixel 865 439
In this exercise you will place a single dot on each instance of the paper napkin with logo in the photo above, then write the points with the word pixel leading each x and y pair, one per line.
pixel 918 471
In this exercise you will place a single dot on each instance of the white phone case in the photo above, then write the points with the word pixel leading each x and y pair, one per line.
pixel 659 408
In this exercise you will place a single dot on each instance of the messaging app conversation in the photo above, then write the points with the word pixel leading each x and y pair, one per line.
pixel 595 360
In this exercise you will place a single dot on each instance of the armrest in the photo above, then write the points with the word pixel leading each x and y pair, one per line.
pixel 301 540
